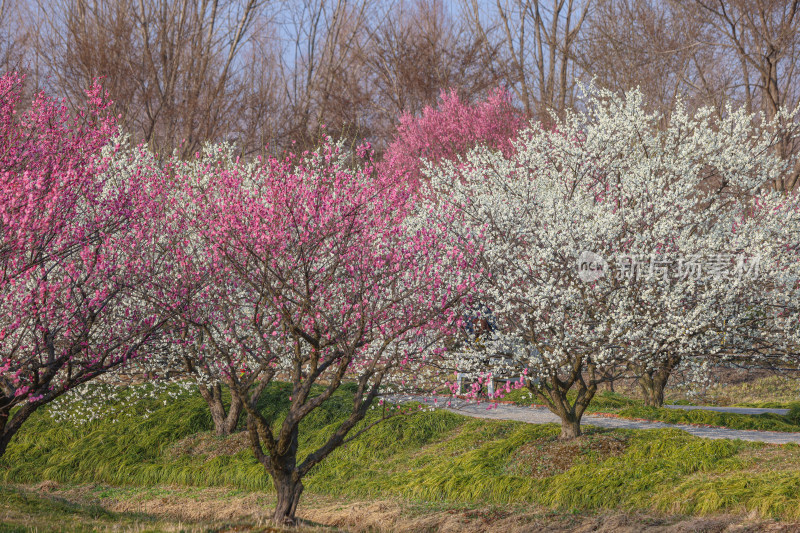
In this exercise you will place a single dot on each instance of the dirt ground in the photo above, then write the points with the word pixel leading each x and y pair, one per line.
pixel 181 509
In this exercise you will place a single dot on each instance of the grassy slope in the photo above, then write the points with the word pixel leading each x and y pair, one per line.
pixel 430 456
pixel 771 391
pixel 764 422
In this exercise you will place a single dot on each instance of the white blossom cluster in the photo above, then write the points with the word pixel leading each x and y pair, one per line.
pixel 613 180
pixel 113 402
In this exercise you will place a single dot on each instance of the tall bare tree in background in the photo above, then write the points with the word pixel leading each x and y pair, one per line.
pixel 647 44
pixel 268 73
pixel 14 37
pixel 762 39
pixel 355 66
pixel 538 40
pixel 172 66
pixel 260 73
pixel 319 69
pixel 709 52
pixel 419 49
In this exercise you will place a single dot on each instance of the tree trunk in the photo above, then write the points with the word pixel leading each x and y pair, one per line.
pixel 570 413
pixel 653 382
pixel 225 423
pixel 10 425
pixel 5 433
pixel 281 463
pixel 288 487
pixel 287 481
pixel 570 428
pixel 653 390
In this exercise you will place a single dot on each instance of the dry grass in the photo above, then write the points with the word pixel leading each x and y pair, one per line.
pixel 174 509
pixel 764 459
pixel 757 392
pixel 209 446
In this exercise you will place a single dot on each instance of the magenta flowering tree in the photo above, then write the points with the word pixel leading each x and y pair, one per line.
pixel 194 334
pixel 73 251
pixel 315 273
pixel 451 130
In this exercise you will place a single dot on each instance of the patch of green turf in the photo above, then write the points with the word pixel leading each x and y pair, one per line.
pixel 28 503
pixel 765 422
pixel 764 405
pixel 24 511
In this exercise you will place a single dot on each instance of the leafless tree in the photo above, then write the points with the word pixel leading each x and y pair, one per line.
pixel 420 49
pixel 648 44
pixel 14 36
pixel 355 66
pixel 172 67
pixel 272 73
pixel 762 40
pixel 709 52
pixel 538 44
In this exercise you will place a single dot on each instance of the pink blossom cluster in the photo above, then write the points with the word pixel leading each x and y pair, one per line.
pixel 73 250
pixel 451 130
pixel 307 261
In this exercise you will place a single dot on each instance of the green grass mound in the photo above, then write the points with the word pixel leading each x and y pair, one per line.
pixel 428 456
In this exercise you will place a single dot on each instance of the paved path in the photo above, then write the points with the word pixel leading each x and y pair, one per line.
pixel 735 410
pixel 540 415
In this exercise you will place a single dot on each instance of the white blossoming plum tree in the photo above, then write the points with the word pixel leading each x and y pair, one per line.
pixel 588 232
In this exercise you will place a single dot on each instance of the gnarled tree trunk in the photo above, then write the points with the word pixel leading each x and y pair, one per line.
pixel 654 381
pixel 225 423
pixel 10 425
pixel 554 392
pixel 288 487
pixel 570 427
pixel 281 463
pixel 5 437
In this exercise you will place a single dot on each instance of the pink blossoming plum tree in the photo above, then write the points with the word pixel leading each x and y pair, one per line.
pixel 73 251
pixel 316 273
pixel 451 130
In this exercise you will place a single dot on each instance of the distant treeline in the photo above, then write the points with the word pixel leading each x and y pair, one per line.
pixel 280 73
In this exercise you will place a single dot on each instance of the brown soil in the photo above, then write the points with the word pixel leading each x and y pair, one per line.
pixel 546 457
pixel 209 445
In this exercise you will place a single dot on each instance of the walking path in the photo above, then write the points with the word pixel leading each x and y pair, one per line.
pixel 541 415
pixel 735 410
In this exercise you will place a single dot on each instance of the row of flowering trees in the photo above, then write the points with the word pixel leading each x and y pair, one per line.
pixel 323 267
pixel 313 269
